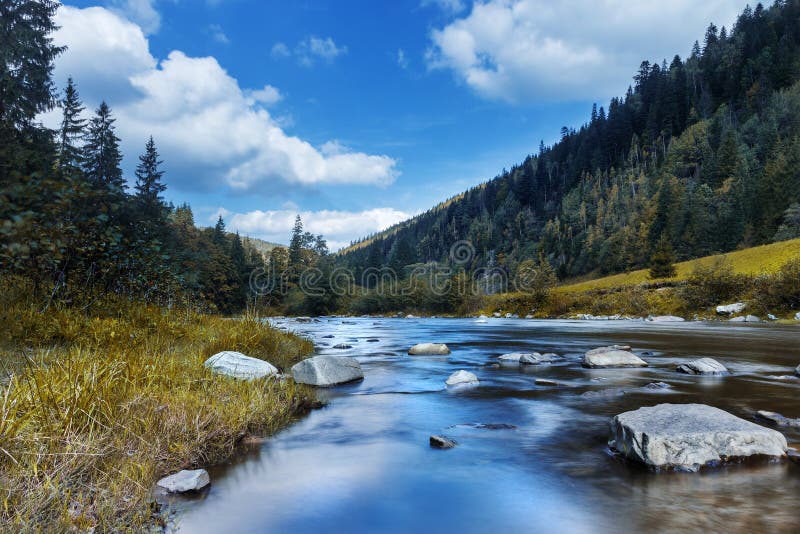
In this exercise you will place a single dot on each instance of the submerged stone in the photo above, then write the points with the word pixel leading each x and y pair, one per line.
pixel 690 436
pixel 778 419
pixel 441 442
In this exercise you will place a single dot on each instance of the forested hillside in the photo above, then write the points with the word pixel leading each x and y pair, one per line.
pixel 69 224
pixel 703 153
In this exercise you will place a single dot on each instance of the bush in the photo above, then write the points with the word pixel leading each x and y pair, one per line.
pixel 779 291
pixel 712 284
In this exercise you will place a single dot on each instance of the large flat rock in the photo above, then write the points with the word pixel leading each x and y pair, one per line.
pixel 690 436
pixel 325 371
pixel 237 365
pixel 429 349
pixel 613 356
pixel 186 480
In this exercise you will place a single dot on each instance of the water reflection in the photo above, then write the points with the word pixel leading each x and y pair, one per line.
pixel 362 464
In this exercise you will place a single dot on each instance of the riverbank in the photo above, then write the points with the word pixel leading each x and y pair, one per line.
pixel 95 407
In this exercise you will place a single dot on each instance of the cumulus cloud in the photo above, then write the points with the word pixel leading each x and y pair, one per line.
pixel 207 127
pixel 309 50
pixel 142 12
pixel 526 50
pixel 338 227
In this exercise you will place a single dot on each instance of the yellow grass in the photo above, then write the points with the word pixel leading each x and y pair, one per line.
pixel 95 407
pixel 752 261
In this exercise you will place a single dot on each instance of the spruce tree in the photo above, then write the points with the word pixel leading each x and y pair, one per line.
pixel 662 262
pixel 148 176
pixel 296 244
pixel 103 157
pixel 72 132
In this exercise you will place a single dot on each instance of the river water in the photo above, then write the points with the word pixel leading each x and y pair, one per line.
pixel 363 463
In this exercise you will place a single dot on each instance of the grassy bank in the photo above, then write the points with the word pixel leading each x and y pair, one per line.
pixel 96 406
pixel 766 277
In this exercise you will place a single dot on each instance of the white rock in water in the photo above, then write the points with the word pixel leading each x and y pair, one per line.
pixel 185 480
pixel 666 319
pixel 778 419
pixel 690 436
pixel 238 365
pixel 461 377
pixel 611 357
pixel 703 366
pixel 428 348
pixel 511 358
pixel 745 319
pixel 534 358
pixel 730 309
pixel 797 370
pixel 324 371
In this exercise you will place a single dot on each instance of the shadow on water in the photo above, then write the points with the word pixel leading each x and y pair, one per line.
pixel 530 456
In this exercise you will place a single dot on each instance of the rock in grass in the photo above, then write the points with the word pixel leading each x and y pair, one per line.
pixel 185 480
pixel 325 371
pixel 429 349
pixel 778 419
pixel 730 309
pixel 690 436
pixel 605 357
pixel 460 378
pixel 441 442
pixel 703 366
pixel 237 365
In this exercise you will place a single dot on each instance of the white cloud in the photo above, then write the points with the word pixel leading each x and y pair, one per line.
pixel 280 50
pixel 310 50
pixel 527 50
pixel 142 12
pixel 218 34
pixel 338 227
pixel 448 6
pixel 402 60
pixel 268 95
pixel 207 127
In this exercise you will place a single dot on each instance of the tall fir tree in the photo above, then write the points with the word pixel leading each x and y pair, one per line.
pixel 296 245
pixel 148 175
pixel 102 153
pixel 70 156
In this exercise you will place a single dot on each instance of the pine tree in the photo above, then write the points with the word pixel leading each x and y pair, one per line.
pixel 148 176
pixel 296 245
pixel 662 262
pixel 103 157
pixel 219 236
pixel 72 132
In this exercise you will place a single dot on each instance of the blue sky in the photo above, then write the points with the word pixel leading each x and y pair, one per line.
pixel 355 114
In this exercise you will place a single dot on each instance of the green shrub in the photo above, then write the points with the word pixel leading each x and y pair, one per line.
pixel 713 284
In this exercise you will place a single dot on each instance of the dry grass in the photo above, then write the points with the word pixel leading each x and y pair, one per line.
pixel 93 409
pixel 751 261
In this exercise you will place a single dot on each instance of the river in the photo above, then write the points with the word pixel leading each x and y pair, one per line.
pixel 363 463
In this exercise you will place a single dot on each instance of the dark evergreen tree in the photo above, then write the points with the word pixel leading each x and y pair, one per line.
pixel 662 262
pixel 72 131
pixel 102 154
pixel 148 176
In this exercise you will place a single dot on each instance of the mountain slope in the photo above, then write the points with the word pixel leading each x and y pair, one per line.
pixel 704 153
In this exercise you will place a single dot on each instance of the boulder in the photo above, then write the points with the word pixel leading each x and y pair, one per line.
pixel 429 348
pixel 778 419
pixel 611 357
pixel 324 371
pixel 666 319
pixel 730 309
pixel 461 378
pixel 237 365
pixel 657 386
pixel 342 346
pixel 510 359
pixel 303 319
pixel 797 316
pixel 534 358
pixel 185 480
pixel 703 366
pixel 797 370
pixel 690 436
pixel 441 442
